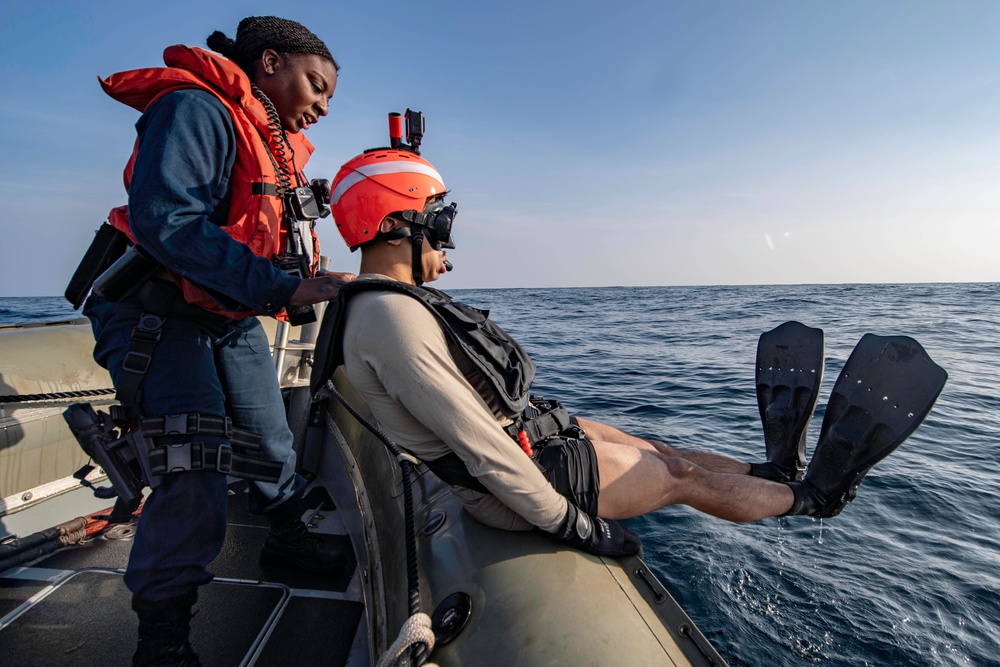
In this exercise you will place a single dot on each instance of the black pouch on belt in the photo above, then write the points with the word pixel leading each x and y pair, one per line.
pixel 107 246
pixel 126 275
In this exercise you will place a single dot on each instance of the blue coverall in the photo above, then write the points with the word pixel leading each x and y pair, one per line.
pixel 179 195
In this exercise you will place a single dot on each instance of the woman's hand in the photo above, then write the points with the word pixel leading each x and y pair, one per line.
pixel 321 288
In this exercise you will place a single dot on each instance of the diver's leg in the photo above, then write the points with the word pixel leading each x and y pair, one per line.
pixel 707 460
pixel 636 480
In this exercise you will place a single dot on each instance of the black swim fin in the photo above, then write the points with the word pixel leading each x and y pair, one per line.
pixel 885 390
pixel 789 373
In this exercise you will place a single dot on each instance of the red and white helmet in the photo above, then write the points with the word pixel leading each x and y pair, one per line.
pixel 376 184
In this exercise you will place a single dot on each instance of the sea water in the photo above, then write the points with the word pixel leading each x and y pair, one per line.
pixel 908 574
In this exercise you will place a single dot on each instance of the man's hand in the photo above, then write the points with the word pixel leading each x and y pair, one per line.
pixel 602 537
pixel 323 287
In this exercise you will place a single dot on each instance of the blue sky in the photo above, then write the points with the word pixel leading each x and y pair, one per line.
pixel 586 143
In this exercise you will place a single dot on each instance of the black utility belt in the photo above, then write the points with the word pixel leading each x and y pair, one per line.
pixel 236 458
pixel 132 460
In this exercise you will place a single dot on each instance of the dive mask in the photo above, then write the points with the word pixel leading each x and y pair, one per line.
pixel 437 220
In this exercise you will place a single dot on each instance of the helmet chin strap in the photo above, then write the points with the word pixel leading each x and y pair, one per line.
pixel 417 240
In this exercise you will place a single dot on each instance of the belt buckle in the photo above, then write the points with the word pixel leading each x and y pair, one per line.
pixel 224 459
pixel 178 457
pixel 176 425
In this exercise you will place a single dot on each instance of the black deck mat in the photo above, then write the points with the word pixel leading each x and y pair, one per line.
pixel 87 620
pixel 15 591
pixel 312 631
pixel 239 558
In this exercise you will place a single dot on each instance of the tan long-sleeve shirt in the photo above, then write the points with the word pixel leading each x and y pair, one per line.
pixel 422 392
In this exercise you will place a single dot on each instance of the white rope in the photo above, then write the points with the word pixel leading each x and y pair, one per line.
pixel 416 630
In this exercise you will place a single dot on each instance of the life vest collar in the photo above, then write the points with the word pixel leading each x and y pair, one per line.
pixel 188 67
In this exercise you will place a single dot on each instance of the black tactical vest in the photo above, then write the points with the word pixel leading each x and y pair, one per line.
pixel 504 364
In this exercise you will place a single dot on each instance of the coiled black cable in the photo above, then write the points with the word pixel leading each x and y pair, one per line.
pixel 280 139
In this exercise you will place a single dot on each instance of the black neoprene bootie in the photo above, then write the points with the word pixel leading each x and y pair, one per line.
pixel 163 634
pixel 290 544
pixel 808 501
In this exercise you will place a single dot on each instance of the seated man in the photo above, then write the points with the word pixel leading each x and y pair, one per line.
pixel 451 388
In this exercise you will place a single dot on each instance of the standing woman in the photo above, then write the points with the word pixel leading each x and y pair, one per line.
pixel 218 199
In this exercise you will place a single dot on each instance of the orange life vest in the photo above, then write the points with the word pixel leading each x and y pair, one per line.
pixel 255 210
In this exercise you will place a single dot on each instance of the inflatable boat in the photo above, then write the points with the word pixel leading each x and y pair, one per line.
pixel 420 563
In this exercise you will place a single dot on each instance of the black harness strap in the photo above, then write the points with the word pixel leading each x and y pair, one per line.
pixel 264 189
pixel 452 470
pixel 145 336
pixel 542 419
pixel 230 459
pixel 161 299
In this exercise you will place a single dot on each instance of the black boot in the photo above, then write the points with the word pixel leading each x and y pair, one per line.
pixel 163 634
pixel 290 544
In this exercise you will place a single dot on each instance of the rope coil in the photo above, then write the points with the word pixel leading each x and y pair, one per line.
pixel 416 633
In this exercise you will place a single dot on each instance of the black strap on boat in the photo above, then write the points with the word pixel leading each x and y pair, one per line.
pixel 452 470
pixel 418 651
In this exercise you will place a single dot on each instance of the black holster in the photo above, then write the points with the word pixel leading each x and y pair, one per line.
pixel 107 246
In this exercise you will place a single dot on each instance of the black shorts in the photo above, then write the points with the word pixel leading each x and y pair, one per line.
pixel 570 465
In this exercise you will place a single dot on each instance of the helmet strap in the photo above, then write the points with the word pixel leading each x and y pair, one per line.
pixel 417 239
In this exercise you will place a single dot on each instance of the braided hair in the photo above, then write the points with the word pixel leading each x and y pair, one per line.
pixel 255 34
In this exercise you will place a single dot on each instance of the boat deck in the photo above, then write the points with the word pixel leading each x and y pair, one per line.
pixel 72 607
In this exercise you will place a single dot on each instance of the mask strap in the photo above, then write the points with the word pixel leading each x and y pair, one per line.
pixel 417 239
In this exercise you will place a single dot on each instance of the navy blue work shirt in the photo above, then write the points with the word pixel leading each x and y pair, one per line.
pixel 179 199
